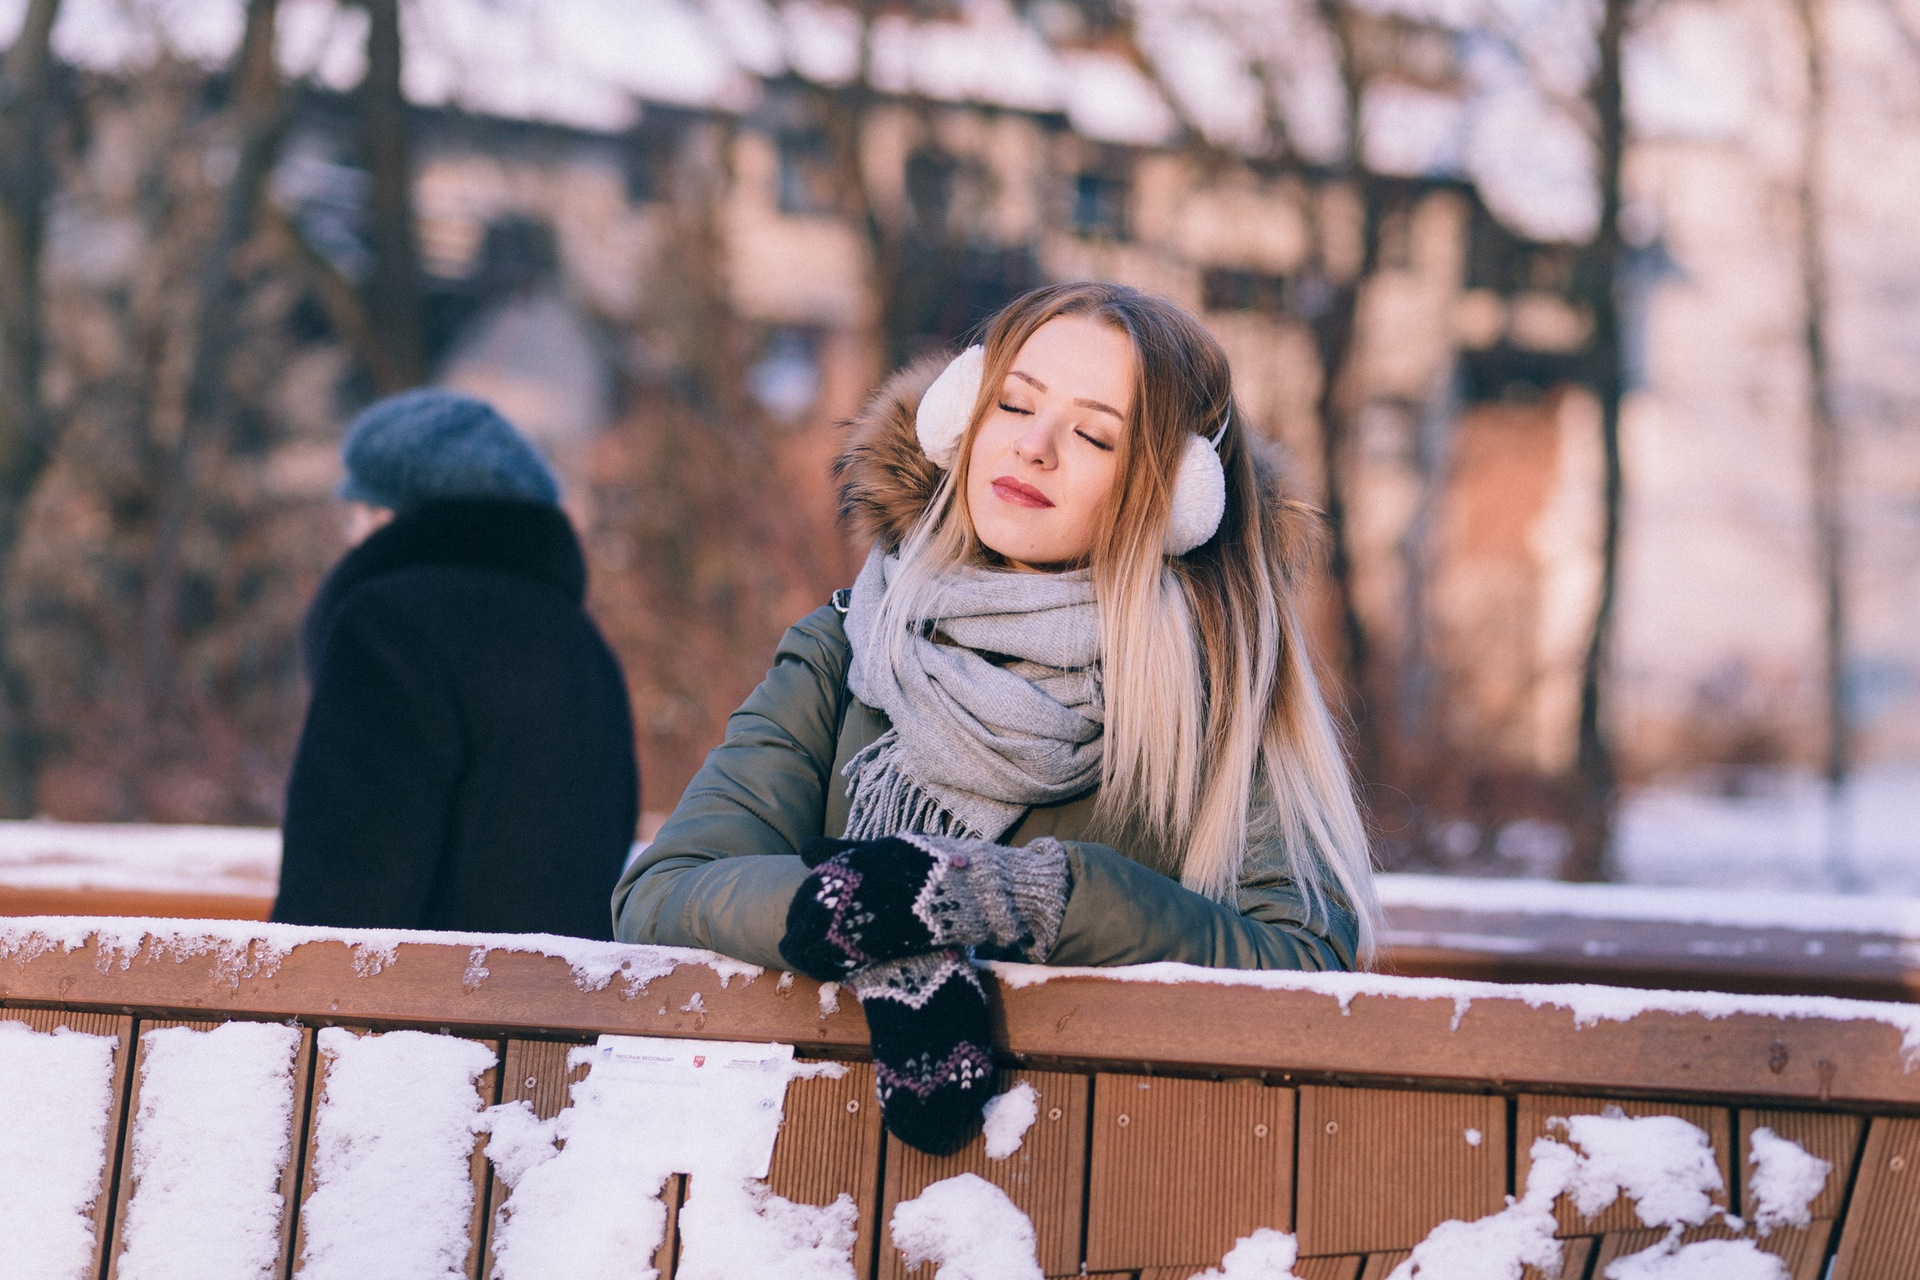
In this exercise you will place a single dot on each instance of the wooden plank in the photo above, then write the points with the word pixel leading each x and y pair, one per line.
pixel 1380 1265
pixel 1046 1177
pixel 1881 1237
pixel 1532 1120
pixel 24 900
pixel 487 1086
pixel 829 1145
pixel 1513 946
pixel 1832 1136
pixel 1380 1168
pixel 1770 1054
pixel 1327 1268
pixel 1803 1250
pixel 1305 1269
pixel 1574 1254
pixel 120 1028
pixel 289 1175
pixel 1216 1156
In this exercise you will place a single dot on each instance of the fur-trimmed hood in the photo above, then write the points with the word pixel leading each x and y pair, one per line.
pixel 886 482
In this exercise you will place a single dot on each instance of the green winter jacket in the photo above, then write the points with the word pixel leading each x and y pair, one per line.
pixel 721 872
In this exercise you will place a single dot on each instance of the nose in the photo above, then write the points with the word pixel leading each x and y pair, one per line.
pixel 1035 442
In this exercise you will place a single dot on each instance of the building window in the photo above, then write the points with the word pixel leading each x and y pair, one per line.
pixel 807 179
pixel 650 155
pixel 785 381
pixel 1100 205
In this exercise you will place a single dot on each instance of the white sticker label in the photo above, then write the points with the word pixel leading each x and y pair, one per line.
pixel 711 1103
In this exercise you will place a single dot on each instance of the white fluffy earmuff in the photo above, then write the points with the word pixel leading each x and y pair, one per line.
pixel 1199 491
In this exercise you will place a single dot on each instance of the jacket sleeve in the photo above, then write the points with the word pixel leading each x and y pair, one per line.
pixel 370 799
pixel 1123 912
pixel 724 867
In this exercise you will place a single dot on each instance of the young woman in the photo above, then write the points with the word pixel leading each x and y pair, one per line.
pixel 1064 715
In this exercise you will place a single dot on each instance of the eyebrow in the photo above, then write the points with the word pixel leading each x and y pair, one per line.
pixel 1082 401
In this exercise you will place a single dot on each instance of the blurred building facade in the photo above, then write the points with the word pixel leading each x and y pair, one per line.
pixel 679 255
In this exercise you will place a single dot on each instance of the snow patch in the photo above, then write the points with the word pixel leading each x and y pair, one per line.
pixel 1663 1163
pixel 969 1228
pixel 1265 1255
pixel 393 1144
pixel 1702 1260
pixel 210 1143
pixel 56 1092
pixel 1783 1184
pixel 585 1187
pixel 1008 1117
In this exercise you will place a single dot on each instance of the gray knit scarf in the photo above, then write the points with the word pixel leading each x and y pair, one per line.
pixel 995 706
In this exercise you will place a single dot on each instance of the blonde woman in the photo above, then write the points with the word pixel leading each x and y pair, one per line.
pixel 1064 715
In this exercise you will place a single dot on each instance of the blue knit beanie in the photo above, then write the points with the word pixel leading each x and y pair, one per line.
pixel 427 444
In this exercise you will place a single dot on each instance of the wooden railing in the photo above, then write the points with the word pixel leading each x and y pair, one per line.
pixel 1179 1109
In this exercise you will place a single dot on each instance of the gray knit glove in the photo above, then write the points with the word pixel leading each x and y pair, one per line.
pixel 870 901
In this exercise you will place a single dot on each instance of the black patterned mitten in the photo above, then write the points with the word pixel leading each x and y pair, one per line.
pixel 869 901
pixel 932 1046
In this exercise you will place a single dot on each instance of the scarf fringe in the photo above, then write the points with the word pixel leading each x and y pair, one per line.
pixel 885 801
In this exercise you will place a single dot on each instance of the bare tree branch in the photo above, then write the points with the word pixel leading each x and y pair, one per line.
pixel 261 108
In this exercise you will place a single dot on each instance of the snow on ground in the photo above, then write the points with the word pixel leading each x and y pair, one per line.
pixel 210 1142
pixel 392 1156
pixel 238 861
pixel 56 1094
pixel 1770 831
pixel 1265 1255
pixel 1008 1116
pixel 1784 1181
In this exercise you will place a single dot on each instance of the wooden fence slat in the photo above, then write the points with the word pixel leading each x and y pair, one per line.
pixel 1214 1156
pixel 1881 1237
pixel 1380 1168
pixel 1531 1122
pixel 120 1027
pixel 1046 1177
pixel 829 1144
pixel 1831 1136
pixel 487 1086
pixel 289 1176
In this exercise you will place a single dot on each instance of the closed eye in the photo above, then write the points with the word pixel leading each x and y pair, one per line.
pixel 1095 442
pixel 1015 409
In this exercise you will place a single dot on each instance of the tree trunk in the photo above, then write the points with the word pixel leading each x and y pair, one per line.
pixel 26 433
pixel 1825 462
pixel 1594 767
pixel 393 287
pixel 260 108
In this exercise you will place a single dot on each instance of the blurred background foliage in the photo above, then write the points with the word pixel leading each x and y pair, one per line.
pixel 1589 324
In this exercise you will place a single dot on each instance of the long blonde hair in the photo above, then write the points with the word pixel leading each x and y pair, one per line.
pixel 1216 730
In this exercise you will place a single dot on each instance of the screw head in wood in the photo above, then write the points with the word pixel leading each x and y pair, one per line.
pixel 853 1105
pixel 1333 1126
pixel 1260 1131
pixel 1897 1164
pixel 1123 1120
pixel 1054 1113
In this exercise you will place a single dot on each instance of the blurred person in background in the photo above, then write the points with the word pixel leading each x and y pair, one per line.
pixel 1065 715
pixel 467 761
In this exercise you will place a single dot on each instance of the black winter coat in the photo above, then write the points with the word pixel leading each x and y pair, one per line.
pixel 467 761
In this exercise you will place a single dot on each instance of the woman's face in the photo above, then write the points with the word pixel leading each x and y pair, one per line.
pixel 1047 454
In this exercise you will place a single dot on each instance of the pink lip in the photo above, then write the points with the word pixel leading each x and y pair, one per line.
pixel 1020 495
